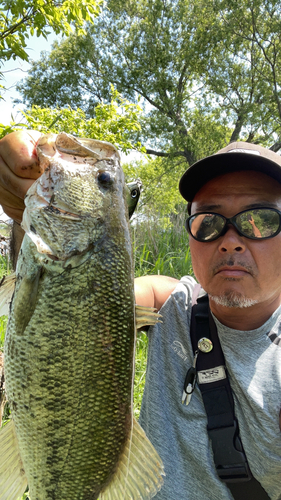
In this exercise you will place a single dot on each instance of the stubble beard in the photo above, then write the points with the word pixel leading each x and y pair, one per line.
pixel 233 299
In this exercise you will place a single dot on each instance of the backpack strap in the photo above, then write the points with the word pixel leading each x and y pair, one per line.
pixel 223 429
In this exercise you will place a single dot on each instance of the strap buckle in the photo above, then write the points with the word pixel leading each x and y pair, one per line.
pixel 229 457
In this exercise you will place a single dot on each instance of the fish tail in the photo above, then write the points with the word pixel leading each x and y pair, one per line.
pixel 140 470
pixel 13 481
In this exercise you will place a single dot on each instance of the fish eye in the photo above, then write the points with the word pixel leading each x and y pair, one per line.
pixel 104 178
pixel 134 193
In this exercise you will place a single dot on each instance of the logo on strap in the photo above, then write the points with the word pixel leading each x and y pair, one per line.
pixel 212 375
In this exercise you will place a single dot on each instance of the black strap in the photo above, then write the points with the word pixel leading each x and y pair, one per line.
pixel 229 456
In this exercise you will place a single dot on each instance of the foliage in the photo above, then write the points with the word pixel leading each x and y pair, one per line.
pixel 161 245
pixel 246 73
pixel 3 325
pixel 5 265
pixel 21 18
pixel 7 129
pixel 160 176
pixel 160 183
pixel 116 122
pixel 206 72
pixel 140 369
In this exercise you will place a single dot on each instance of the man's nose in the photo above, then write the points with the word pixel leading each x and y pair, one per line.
pixel 231 241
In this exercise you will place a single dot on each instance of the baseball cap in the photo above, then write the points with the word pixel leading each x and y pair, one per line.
pixel 234 157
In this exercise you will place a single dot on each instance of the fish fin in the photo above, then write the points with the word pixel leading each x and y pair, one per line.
pixel 7 287
pixel 2 387
pixel 26 224
pixel 146 316
pixel 86 147
pixel 140 471
pixel 26 299
pixel 13 481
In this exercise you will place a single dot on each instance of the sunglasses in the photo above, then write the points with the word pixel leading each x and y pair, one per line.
pixel 256 224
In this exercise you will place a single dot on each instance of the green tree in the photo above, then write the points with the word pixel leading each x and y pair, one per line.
pixel 245 75
pixel 210 61
pixel 117 122
pixel 21 18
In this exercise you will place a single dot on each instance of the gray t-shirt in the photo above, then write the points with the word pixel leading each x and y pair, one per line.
pixel 178 432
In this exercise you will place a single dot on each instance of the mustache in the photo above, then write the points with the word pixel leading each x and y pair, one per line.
pixel 231 262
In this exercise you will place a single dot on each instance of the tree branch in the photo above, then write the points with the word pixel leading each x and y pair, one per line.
pixel 238 126
pixel 276 146
pixel 164 155
pixel 14 28
pixel 181 78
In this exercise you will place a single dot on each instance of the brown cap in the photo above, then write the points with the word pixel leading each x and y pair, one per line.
pixel 234 157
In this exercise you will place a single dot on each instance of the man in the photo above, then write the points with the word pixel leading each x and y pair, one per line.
pixel 241 273
pixel 237 261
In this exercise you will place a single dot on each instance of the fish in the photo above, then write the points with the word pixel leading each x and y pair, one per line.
pixel 70 341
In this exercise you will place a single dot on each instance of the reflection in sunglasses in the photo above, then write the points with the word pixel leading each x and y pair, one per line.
pixel 257 232
pixel 257 223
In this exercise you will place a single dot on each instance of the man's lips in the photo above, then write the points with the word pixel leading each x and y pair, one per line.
pixel 232 271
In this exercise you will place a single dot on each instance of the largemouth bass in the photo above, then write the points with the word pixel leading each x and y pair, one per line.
pixel 69 347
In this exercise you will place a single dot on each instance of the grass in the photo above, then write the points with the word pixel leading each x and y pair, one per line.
pixel 140 368
pixel 160 247
pixel 5 268
pixel 5 265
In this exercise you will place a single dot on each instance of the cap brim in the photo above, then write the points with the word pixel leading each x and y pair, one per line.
pixel 204 170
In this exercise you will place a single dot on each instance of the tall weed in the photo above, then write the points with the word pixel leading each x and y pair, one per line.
pixel 5 265
pixel 160 247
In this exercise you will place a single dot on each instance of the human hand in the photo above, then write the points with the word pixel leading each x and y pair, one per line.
pixel 19 168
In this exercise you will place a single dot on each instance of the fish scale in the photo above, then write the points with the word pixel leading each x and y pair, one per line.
pixel 76 364
pixel 69 347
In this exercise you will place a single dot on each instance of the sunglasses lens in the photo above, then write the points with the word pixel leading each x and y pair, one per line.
pixel 206 227
pixel 258 223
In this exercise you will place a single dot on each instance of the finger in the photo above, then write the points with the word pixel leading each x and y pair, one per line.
pixel 14 213
pixel 9 199
pixel 18 152
pixel 11 184
pixel 12 205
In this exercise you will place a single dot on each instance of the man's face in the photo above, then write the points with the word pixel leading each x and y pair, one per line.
pixel 234 270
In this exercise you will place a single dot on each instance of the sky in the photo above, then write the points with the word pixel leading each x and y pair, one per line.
pixel 15 71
